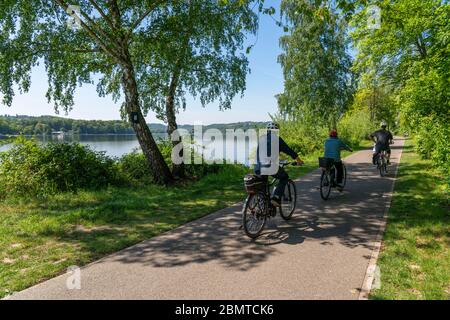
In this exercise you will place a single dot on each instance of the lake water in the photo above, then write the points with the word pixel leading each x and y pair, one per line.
pixel 113 145
pixel 118 145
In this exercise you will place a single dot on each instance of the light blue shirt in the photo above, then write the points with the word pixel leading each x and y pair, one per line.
pixel 333 147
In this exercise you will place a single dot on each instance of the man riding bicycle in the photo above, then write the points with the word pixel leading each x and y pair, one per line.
pixel 382 138
pixel 333 147
pixel 261 163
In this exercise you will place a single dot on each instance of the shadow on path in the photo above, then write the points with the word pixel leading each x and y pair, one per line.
pixel 351 217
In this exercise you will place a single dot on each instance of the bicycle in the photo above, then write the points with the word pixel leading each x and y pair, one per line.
pixel 382 163
pixel 328 179
pixel 258 207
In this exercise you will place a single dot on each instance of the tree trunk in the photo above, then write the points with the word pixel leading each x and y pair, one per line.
pixel 159 168
pixel 177 169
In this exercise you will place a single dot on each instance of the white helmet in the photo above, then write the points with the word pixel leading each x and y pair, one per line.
pixel 383 124
pixel 272 126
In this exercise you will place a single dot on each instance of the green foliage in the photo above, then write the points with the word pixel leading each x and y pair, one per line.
pixel 431 141
pixel 27 125
pixel 409 55
pixel 356 126
pixel 133 167
pixel 199 50
pixel 15 125
pixel 29 169
pixel 302 136
pixel 129 49
pixel 315 61
pixel 378 100
pixel 202 40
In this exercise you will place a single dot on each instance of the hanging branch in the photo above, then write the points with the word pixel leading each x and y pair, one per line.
pixel 103 14
pixel 91 32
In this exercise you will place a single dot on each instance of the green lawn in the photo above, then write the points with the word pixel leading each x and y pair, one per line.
pixel 415 258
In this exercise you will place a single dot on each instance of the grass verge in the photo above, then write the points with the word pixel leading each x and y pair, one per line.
pixel 415 258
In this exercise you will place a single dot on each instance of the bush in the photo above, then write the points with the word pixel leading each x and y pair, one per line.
pixel 30 169
pixel 431 141
pixel 356 126
pixel 134 168
pixel 304 138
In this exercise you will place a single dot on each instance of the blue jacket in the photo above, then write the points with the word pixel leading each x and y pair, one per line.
pixel 333 147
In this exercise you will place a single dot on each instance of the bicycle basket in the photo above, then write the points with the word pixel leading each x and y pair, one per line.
pixel 325 163
pixel 254 183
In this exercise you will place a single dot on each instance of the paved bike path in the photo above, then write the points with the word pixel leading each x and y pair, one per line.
pixel 322 253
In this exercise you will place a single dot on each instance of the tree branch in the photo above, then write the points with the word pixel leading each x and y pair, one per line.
pixel 102 13
pixel 421 47
pixel 92 33
pixel 142 17
pixel 98 28
pixel 115 12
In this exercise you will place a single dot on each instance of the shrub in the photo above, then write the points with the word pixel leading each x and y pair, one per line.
pixel 30 169
pixel 356 126
pixel 305 138
pixel 134 168
pixel 431 141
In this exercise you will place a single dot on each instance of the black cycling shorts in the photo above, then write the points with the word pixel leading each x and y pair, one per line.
pixel 382 147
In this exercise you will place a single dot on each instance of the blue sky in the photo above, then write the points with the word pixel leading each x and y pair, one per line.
pixel 263 83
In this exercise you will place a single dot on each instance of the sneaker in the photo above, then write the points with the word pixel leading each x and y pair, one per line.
pixel 339 188
pixel 275 202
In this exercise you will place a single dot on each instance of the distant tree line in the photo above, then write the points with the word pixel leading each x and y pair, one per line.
pixel 43 125
pixel 13 125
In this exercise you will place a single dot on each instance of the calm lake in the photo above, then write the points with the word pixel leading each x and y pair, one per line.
pixel 118 145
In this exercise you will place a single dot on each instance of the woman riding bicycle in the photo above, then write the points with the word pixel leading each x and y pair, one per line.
pixel 333 147
pixel 282 176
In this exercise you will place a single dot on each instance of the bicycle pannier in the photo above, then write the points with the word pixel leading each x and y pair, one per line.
pixel 325 163
pixel 254 183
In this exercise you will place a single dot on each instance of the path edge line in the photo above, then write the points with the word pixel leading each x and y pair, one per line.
pixel 371 268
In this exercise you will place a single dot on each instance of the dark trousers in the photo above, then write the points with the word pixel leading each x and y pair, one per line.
pixel 283 179
pixel 339 171
pixel 380 147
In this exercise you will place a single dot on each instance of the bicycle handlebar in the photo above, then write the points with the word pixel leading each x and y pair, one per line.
pixel 285 163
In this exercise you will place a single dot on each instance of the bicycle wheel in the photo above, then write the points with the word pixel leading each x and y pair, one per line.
pixel 254 214
pixel 289 201
pixel 344 176
pixel 379 166
pixel 325 185
pixel 382 167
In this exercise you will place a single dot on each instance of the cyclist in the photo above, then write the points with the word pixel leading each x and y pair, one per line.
pixel 382 138
pixel 333 147
pixel 281 175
